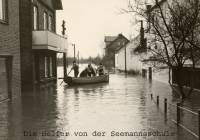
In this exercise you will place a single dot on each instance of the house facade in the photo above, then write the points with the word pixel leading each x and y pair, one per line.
pixel 113 43
pixel 129 58
pixel 28 44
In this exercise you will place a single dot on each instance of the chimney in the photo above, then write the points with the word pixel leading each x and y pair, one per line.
pixel 148 14
pixel 141 32
pixel 148 8
pixel 142 39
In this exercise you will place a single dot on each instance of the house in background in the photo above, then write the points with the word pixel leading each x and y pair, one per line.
pixel 129 58
pixel 113 43
pixel 28 44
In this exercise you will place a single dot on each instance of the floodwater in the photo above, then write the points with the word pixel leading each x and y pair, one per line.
pixel 119 110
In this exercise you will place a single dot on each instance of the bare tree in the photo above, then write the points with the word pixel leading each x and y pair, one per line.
pixel 173 34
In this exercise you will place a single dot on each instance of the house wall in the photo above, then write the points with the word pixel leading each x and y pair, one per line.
pixel 135 64
pixel 10 45
pixel 120 59
pixel 133 60
pixel 16 40
pixel 109 59
pixel 26 43
pixel 42 6
pixel 39 57
pixel 26 27
pixel 111 48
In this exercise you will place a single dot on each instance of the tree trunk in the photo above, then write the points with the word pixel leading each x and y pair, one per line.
pixel 179 82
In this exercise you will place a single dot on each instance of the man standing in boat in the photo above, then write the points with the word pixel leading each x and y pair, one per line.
pixel 100 69
pixel 76 69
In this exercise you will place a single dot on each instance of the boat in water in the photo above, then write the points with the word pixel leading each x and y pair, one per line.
pixel 86 80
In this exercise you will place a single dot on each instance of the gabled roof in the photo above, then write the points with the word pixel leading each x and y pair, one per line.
pixel 109 38
pixel 117 47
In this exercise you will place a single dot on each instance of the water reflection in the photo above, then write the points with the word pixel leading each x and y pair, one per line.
pixel 120 105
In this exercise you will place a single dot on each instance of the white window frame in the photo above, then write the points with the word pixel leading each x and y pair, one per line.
pixel 45 20
pixel 50 22
pixel 46 66
pixel 50 66
pixel 35 17
pixel 3 10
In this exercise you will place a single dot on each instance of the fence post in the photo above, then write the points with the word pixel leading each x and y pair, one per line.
pixel 150 73
pixel 151 96
pixel 199 122
pixel 165 105
pixel 157 100
pixel 178 112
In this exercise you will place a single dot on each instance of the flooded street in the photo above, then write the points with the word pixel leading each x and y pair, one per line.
pixel 59 112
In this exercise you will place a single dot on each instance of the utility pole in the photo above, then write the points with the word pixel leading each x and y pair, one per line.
pixel 78 57
pixel 74 51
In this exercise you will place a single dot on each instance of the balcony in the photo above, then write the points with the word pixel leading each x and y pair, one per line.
pixel 46 40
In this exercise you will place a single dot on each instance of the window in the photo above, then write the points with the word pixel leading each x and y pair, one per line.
pixel 46 66
pixel 35 18
pixel 3 10
pixel 5 77
pixel 45 21
pixel 50 67
pixel 50 23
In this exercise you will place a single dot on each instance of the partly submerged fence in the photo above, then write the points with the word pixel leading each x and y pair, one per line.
pixel 182 116
pixel 189 76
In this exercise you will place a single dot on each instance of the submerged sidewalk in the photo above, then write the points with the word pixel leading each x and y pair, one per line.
pixel 188 117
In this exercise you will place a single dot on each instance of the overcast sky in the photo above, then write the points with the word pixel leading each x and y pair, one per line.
pixel 88 21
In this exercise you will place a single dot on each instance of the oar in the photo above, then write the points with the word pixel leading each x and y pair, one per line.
pixel 67 75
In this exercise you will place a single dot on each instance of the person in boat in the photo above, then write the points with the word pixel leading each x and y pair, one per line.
pixel 84 73
pixel 91 71
pixel 100 69
pixel 76 69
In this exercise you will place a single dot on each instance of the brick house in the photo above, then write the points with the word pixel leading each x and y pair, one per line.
pixel 28 44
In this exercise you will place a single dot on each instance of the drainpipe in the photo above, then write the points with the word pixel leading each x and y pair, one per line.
pixel 125 60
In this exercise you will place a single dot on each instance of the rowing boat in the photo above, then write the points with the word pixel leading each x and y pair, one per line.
pixel 86 80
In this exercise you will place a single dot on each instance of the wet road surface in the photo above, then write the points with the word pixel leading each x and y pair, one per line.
pixel 55 112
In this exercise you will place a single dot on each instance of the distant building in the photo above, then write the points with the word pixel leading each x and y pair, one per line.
pixel 113 43
pixel 28 44
pixel 129 58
